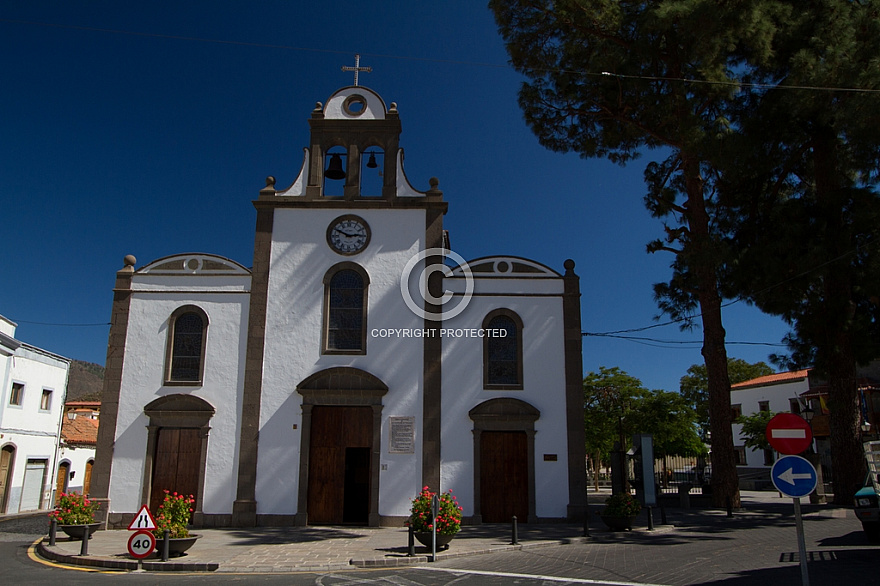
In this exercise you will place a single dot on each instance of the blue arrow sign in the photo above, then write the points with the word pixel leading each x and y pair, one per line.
pixel 793 476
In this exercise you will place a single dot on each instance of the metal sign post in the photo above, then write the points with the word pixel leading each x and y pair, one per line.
pixel 795 477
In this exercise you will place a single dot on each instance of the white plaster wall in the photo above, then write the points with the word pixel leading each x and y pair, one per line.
pixel 29 446
pixel 300 259
pixel 33 432
pixel 543 388
pixel 778 395
pixel 143 378
pixel 77 457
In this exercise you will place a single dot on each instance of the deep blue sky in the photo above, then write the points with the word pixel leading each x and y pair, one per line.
pixel 149 128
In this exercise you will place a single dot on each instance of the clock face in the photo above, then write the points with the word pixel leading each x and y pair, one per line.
pixel 348 234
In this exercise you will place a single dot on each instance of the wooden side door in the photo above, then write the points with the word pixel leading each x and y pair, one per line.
pixel 504 476
pixel 87 481
pixel 176 464
pixel 7 456
pixel 61 481
pixel 334 496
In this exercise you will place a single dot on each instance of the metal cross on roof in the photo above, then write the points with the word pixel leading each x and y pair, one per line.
pixel 357 68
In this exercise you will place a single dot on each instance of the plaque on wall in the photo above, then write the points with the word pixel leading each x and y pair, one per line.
pixel 402 439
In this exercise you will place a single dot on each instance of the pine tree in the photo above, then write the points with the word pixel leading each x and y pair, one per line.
pixel 614 78
pixel 801 176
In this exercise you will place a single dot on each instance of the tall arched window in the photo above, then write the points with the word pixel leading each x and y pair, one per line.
pixel 345 315
pixel 186 346
pixel 502 351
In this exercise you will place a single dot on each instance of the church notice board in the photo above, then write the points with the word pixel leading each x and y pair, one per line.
pixel 402 439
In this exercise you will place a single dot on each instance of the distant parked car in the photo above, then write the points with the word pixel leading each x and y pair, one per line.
pixel 867 499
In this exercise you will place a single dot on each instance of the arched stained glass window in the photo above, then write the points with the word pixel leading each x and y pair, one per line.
pixel 186 360
pixel 503 350
pixel 346 311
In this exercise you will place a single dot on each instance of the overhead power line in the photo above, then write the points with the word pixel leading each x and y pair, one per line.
pixel 733 83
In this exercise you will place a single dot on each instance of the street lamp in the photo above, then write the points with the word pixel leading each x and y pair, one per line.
pixel 808 414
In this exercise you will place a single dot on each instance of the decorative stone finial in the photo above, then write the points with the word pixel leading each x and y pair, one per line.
pixel 569 265
pixel 129 260
pixel 270 181
pixel 434 183
pixel 393 107
pixel 319 106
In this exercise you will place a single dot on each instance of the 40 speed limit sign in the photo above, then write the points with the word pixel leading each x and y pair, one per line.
pixel 141 544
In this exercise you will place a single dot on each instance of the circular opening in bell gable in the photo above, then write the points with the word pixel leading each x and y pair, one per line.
pixel 355 105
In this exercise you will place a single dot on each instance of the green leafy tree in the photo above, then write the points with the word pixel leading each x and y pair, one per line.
pixel 754 429
pixel 617 406
pixel 606 79
pixel 609 397
pixel 801 176
pixel 694 386
pixel 671 421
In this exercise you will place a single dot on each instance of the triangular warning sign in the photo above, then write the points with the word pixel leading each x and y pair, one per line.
pixel 143 520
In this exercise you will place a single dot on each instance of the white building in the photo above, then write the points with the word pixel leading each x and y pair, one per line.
pixel 793 392
pixel 778 393
pixel 34 387
pixel 79 438
pixel 332 380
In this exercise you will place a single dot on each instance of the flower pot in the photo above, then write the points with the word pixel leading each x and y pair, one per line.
pixel 178 545
pixel 425 539
pixel 618 523
pixel 78 531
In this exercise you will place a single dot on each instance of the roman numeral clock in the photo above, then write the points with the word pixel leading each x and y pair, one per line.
pixel 348 234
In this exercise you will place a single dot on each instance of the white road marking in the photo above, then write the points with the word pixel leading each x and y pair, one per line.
pixel 536 577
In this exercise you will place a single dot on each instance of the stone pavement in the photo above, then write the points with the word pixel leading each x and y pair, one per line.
pixel 761 527
pixel 289 549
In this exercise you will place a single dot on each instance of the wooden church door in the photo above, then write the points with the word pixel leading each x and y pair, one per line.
pixel 504 476
pixel 176 465
pixel 340 450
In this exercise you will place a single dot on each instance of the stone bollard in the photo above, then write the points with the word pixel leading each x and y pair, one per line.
pixel 515 531
pixel 166 543
pixel 84 547
pixel 53 529
pixel 411 550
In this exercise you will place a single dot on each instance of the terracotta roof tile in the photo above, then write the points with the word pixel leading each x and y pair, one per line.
pixel 771 379
pixel 81 430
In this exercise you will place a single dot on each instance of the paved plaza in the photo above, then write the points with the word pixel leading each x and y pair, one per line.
pixel 757 545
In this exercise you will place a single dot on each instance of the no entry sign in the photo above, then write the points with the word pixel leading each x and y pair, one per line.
pixel 789 433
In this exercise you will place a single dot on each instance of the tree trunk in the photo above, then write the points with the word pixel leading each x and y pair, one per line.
pixel 725 482
pixel 837 357
pixel 849 469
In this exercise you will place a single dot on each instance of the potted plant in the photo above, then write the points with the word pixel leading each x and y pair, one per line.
pixel 448 518
pixel 75 515
pixel 174 514
pixel 620 511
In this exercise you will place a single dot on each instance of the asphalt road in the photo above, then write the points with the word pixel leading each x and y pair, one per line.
pixel 758 548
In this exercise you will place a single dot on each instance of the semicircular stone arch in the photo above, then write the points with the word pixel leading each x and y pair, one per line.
pixel 184 419
pixel 340 387
pixel 504 414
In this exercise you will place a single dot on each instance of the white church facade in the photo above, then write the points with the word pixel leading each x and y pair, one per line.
pixel 358 359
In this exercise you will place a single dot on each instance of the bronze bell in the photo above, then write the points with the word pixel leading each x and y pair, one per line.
pixel 334 169
pixel 371 164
